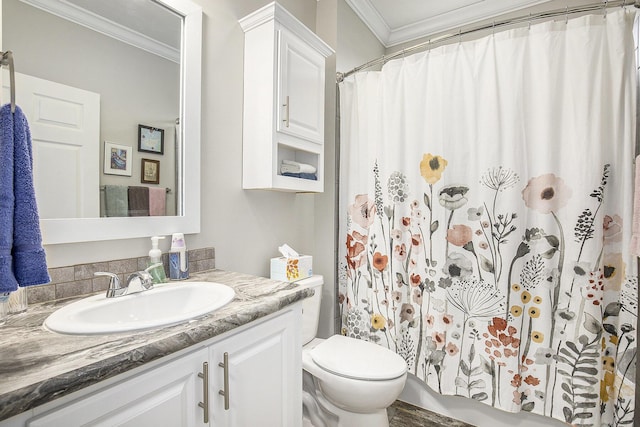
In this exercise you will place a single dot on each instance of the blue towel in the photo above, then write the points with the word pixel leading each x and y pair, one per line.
pixel 311 176
pixel 22 258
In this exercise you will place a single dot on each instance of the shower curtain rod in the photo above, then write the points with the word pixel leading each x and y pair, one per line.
pixel 602 6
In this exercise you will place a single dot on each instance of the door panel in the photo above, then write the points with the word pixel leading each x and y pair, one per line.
pixel 65 133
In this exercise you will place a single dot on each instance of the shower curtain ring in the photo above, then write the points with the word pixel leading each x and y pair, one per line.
pixel 566 15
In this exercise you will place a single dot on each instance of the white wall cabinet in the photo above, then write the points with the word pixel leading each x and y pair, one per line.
pixel 300 88
pixel 263 385
pixel 284 86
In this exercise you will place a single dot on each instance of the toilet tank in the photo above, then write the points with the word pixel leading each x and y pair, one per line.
pixel 311 307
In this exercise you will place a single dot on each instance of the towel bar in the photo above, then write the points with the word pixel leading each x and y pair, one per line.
pixel 168 190
pixel 7 59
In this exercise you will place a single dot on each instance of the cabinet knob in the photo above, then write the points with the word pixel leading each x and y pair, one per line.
pixel 225 365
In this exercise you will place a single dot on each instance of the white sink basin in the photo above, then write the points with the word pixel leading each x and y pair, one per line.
pixel 166 304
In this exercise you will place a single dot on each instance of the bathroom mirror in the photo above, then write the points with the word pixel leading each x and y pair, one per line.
pixel 184 201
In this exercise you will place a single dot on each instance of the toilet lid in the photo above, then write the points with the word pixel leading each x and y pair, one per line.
pixel 358 359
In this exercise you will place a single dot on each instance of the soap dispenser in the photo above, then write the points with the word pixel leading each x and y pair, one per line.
pixel 178 262
pixel 155 267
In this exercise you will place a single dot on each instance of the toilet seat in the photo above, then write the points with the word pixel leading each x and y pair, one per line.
pixel 357 359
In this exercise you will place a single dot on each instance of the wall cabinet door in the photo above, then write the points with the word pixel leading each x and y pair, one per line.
pixel 167 395
pixel 264 376
pixel 300 88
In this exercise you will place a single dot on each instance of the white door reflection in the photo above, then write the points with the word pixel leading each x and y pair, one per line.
pixel 65 134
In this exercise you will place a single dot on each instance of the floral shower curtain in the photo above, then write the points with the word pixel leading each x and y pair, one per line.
pixel 486 209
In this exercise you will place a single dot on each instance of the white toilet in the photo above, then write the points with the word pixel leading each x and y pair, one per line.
pixel 346 382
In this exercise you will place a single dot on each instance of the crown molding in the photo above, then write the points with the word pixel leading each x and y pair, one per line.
pixel 372 19
pixel 275 12
pixel 455 18
pixel 95 22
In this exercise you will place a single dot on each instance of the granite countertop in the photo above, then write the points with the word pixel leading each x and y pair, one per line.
pixel 37 366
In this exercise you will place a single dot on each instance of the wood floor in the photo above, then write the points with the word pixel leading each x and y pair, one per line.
pixel 402 414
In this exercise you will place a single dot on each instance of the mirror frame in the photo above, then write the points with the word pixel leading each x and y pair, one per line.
pixel 76 230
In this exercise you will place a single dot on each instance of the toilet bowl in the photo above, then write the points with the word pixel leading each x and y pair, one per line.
pixel 347 382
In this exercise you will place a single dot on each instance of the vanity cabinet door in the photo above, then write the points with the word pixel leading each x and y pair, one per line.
pixel 166 395
pixel 264 372
pixel 300 88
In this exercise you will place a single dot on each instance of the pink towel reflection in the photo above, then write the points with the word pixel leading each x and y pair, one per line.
pixel 157 201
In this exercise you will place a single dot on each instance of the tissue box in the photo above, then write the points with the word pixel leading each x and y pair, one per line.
pixel 291 269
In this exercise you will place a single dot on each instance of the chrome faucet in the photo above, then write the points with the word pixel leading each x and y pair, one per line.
pixel 136 282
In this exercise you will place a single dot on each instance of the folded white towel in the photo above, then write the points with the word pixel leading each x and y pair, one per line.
pixel 289 166
pixel 289 169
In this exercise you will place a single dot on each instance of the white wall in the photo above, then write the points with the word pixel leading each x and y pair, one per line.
pixel 356 43
pixel 325 235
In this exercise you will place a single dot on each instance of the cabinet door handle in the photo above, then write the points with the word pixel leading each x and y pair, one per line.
pixel 286 106
pixel 205 390
pixel 225 365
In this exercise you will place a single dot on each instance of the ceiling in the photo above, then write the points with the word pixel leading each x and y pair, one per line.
pixel 400 21
pixel 144 16
pixel 141 23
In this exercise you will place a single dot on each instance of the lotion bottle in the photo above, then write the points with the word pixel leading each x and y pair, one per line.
pixel 155 267
pixel 178 262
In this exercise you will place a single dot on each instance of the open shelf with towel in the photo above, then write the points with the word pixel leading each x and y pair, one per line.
pixel 284 86
pixel 288 156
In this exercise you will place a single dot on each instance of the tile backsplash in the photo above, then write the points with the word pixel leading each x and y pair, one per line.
pixel 75 280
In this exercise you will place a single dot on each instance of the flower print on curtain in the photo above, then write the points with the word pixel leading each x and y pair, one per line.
pixel 485 217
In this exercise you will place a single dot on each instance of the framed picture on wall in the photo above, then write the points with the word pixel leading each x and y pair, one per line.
pixel 150 140
pixel 150 171
pixel 117 159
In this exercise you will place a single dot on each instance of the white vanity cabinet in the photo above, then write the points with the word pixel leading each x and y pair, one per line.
pixel 166 395
pixel 263 385
pixel 264 377
pixel 284 86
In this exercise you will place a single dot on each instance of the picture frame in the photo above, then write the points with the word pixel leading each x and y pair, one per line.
pixel 150 171
pixel 150 139
pixel 117 159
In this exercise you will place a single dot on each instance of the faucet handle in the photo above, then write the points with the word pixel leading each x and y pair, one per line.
pixel 114 282
pixel 146 281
